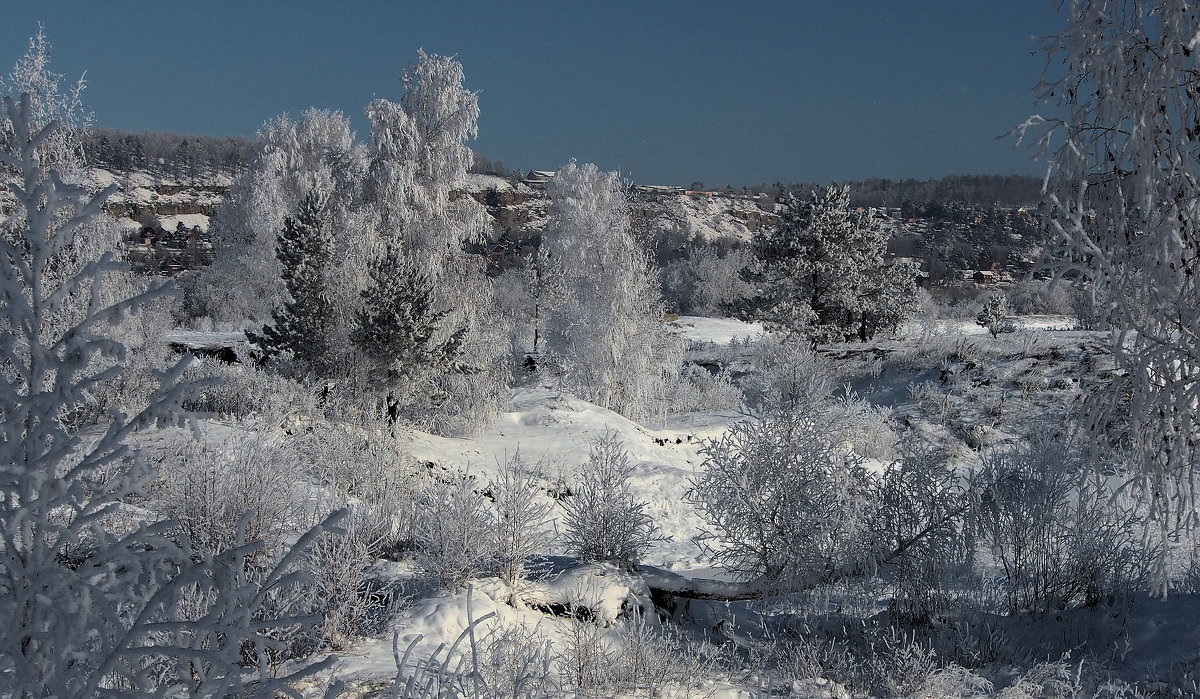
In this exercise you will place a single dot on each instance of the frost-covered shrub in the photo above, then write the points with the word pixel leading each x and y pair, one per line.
pixel 519 519
pixel 1067 679
pixel 515 661
pixel 335 588
pixel 700 390
pixel 786 375
pixel 370 469
pixel 1092 311
pixel 144 337
pixel 1057 532
pixel 242 390
pixel 660 661
pixel 705 282
pixel 1041 297
pixel 919 507
pixel 590 661
pixel 248 486
pixel 900 665
pixel 454 533
pixel 782 498
pixel 603 521
pixel 867 429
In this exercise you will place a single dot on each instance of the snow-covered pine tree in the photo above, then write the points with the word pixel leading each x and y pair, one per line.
pixel 304 324
pixel 994 315
pixel 90 601
pixel 401 337
pixel 822 272
pixel 604 318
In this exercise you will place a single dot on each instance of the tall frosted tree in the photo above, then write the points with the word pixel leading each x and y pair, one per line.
pixel 418 155
pixel 314 154
pixel 604 318
pixel 303 325
pixel 822 271
pixel 1124 204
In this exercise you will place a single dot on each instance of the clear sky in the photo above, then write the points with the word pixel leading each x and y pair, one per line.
pixel 665 91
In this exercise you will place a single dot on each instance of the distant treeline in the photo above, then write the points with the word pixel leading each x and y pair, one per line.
pixel 182 156
pixel 977 190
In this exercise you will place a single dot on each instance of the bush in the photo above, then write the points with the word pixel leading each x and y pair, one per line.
pixel 920 506
pixel 518 520
pixel 1041 297
pixel 1059 535
pixel 782 498
pixel 603 520
pixel 503 662
pixel 242 390
pixel 246 488
pixel 785 376
pixel 368 468
pixel 705 282
pixel 700 390
pixel 454 533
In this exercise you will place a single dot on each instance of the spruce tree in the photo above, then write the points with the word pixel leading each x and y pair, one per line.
pixel 401 334
pixel 303 326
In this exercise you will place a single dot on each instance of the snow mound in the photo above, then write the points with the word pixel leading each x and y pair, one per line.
pixel 554 432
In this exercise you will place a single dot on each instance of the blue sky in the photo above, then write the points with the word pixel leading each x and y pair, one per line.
pixel 664 91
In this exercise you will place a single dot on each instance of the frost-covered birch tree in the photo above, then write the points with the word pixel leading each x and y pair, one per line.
pixel 604 318
pixel 1124 202
pixel 314 154
pixel 49 101
pixel 418 155
pixel 92 597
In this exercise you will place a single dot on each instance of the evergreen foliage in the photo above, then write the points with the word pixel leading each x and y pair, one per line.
pixel 399 332
pixel 822 272
pixel 303 326
pixel 994 315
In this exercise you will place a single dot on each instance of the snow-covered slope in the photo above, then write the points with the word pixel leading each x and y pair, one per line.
pixel 556 431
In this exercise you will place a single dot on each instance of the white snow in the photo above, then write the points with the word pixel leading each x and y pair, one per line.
pixel 476 182
pixel 189 221
pixel 721 331
pixel 557 430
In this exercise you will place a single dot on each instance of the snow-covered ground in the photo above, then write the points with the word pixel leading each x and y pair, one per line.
pixel 966 326
pixel 555 431
pixel 978 392
pixel 721 331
